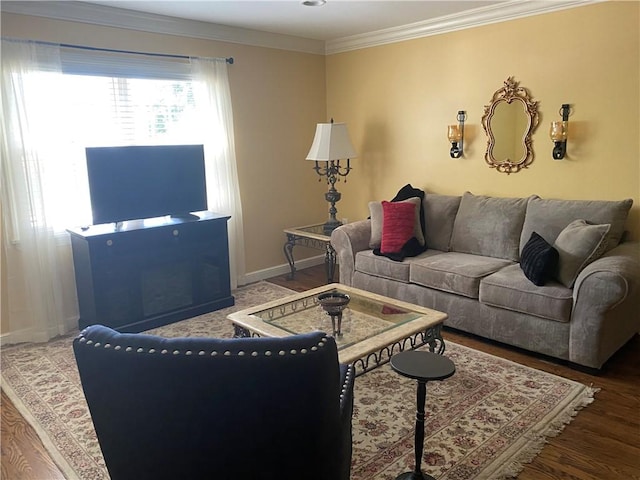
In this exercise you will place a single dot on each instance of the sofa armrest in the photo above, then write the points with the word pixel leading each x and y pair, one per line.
pixel 347 240
pixel 622 264
pixel 605 305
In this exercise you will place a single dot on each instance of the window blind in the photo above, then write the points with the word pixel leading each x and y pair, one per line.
pixel 78 61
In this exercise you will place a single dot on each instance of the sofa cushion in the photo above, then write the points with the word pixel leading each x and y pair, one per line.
pixel 368 263
pixel 376 214
pixel 439 215
pixel 578 245
pixel 489 226
pixel 452 272
pixel 510 289
pixel 549 217
pixel 539 260
pixel 398 222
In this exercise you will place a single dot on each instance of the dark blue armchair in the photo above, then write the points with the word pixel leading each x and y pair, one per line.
pixel 208 408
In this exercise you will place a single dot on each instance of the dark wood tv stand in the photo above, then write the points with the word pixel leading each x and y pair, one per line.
pixel 151 272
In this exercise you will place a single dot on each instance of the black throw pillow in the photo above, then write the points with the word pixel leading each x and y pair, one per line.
pixel 538 260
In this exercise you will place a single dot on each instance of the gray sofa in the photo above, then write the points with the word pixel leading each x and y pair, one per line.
pixel 470 270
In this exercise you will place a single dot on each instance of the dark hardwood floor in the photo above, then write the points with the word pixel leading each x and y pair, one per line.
pixel 602 442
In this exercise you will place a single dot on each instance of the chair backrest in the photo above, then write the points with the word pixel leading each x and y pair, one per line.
pixel 207 408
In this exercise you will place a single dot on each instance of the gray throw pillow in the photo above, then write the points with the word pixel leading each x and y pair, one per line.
pixel 578 245
pixel 375 212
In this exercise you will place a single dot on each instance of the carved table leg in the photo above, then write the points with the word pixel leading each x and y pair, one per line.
pixel 435 340
pixel 330 262
pixel 288 253
pixel 240 332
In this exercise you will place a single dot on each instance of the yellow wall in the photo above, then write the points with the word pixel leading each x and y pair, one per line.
pixel 398 100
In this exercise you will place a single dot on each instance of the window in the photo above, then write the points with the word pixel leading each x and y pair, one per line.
pixel 57 100
pixel 91 111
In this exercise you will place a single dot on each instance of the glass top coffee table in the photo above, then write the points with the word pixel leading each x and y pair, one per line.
pixel 373 327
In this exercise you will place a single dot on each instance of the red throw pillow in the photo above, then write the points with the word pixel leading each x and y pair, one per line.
pixel 398 220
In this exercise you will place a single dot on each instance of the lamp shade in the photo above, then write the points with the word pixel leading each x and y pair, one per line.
pixel 331 142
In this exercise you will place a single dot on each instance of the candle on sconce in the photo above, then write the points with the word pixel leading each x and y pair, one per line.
pixel 455 134
pixel 558 132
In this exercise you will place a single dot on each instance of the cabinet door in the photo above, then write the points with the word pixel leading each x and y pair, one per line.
pixel 210 257
pixel 116 280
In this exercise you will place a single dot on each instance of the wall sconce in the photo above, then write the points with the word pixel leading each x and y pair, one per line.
pixel 558 133
pixel 456 135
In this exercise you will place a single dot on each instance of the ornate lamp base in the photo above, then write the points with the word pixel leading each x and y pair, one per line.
pixel 332 196
pixel 330 226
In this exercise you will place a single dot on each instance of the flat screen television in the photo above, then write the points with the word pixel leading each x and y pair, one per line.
pixel 136 182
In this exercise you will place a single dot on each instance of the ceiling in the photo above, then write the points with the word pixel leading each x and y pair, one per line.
pixel 333 20
pixel 336 26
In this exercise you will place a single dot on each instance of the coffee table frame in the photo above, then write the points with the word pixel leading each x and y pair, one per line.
pixel 367 354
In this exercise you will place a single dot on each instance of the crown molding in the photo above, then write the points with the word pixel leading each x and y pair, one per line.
pixel 502 12
pixel 146 22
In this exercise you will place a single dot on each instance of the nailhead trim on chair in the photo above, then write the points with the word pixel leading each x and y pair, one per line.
pixel 347 378
pixel 214 353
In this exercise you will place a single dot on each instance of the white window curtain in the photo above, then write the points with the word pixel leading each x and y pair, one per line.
pixel 223 193
pixel 51 111
pixel 32 306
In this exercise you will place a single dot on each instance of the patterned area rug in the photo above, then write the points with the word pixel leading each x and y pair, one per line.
pixel 485 422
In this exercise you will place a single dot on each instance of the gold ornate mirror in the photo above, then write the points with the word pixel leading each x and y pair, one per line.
pixel 509 120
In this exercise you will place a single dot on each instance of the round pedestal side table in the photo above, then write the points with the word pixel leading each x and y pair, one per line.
pixel 423 367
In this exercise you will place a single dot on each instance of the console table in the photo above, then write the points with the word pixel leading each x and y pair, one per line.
pixel 311 236
pixel 142 274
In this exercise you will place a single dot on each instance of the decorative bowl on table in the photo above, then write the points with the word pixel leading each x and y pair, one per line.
pixel 334 303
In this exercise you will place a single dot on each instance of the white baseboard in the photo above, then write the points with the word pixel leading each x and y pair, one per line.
pixel 256 276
